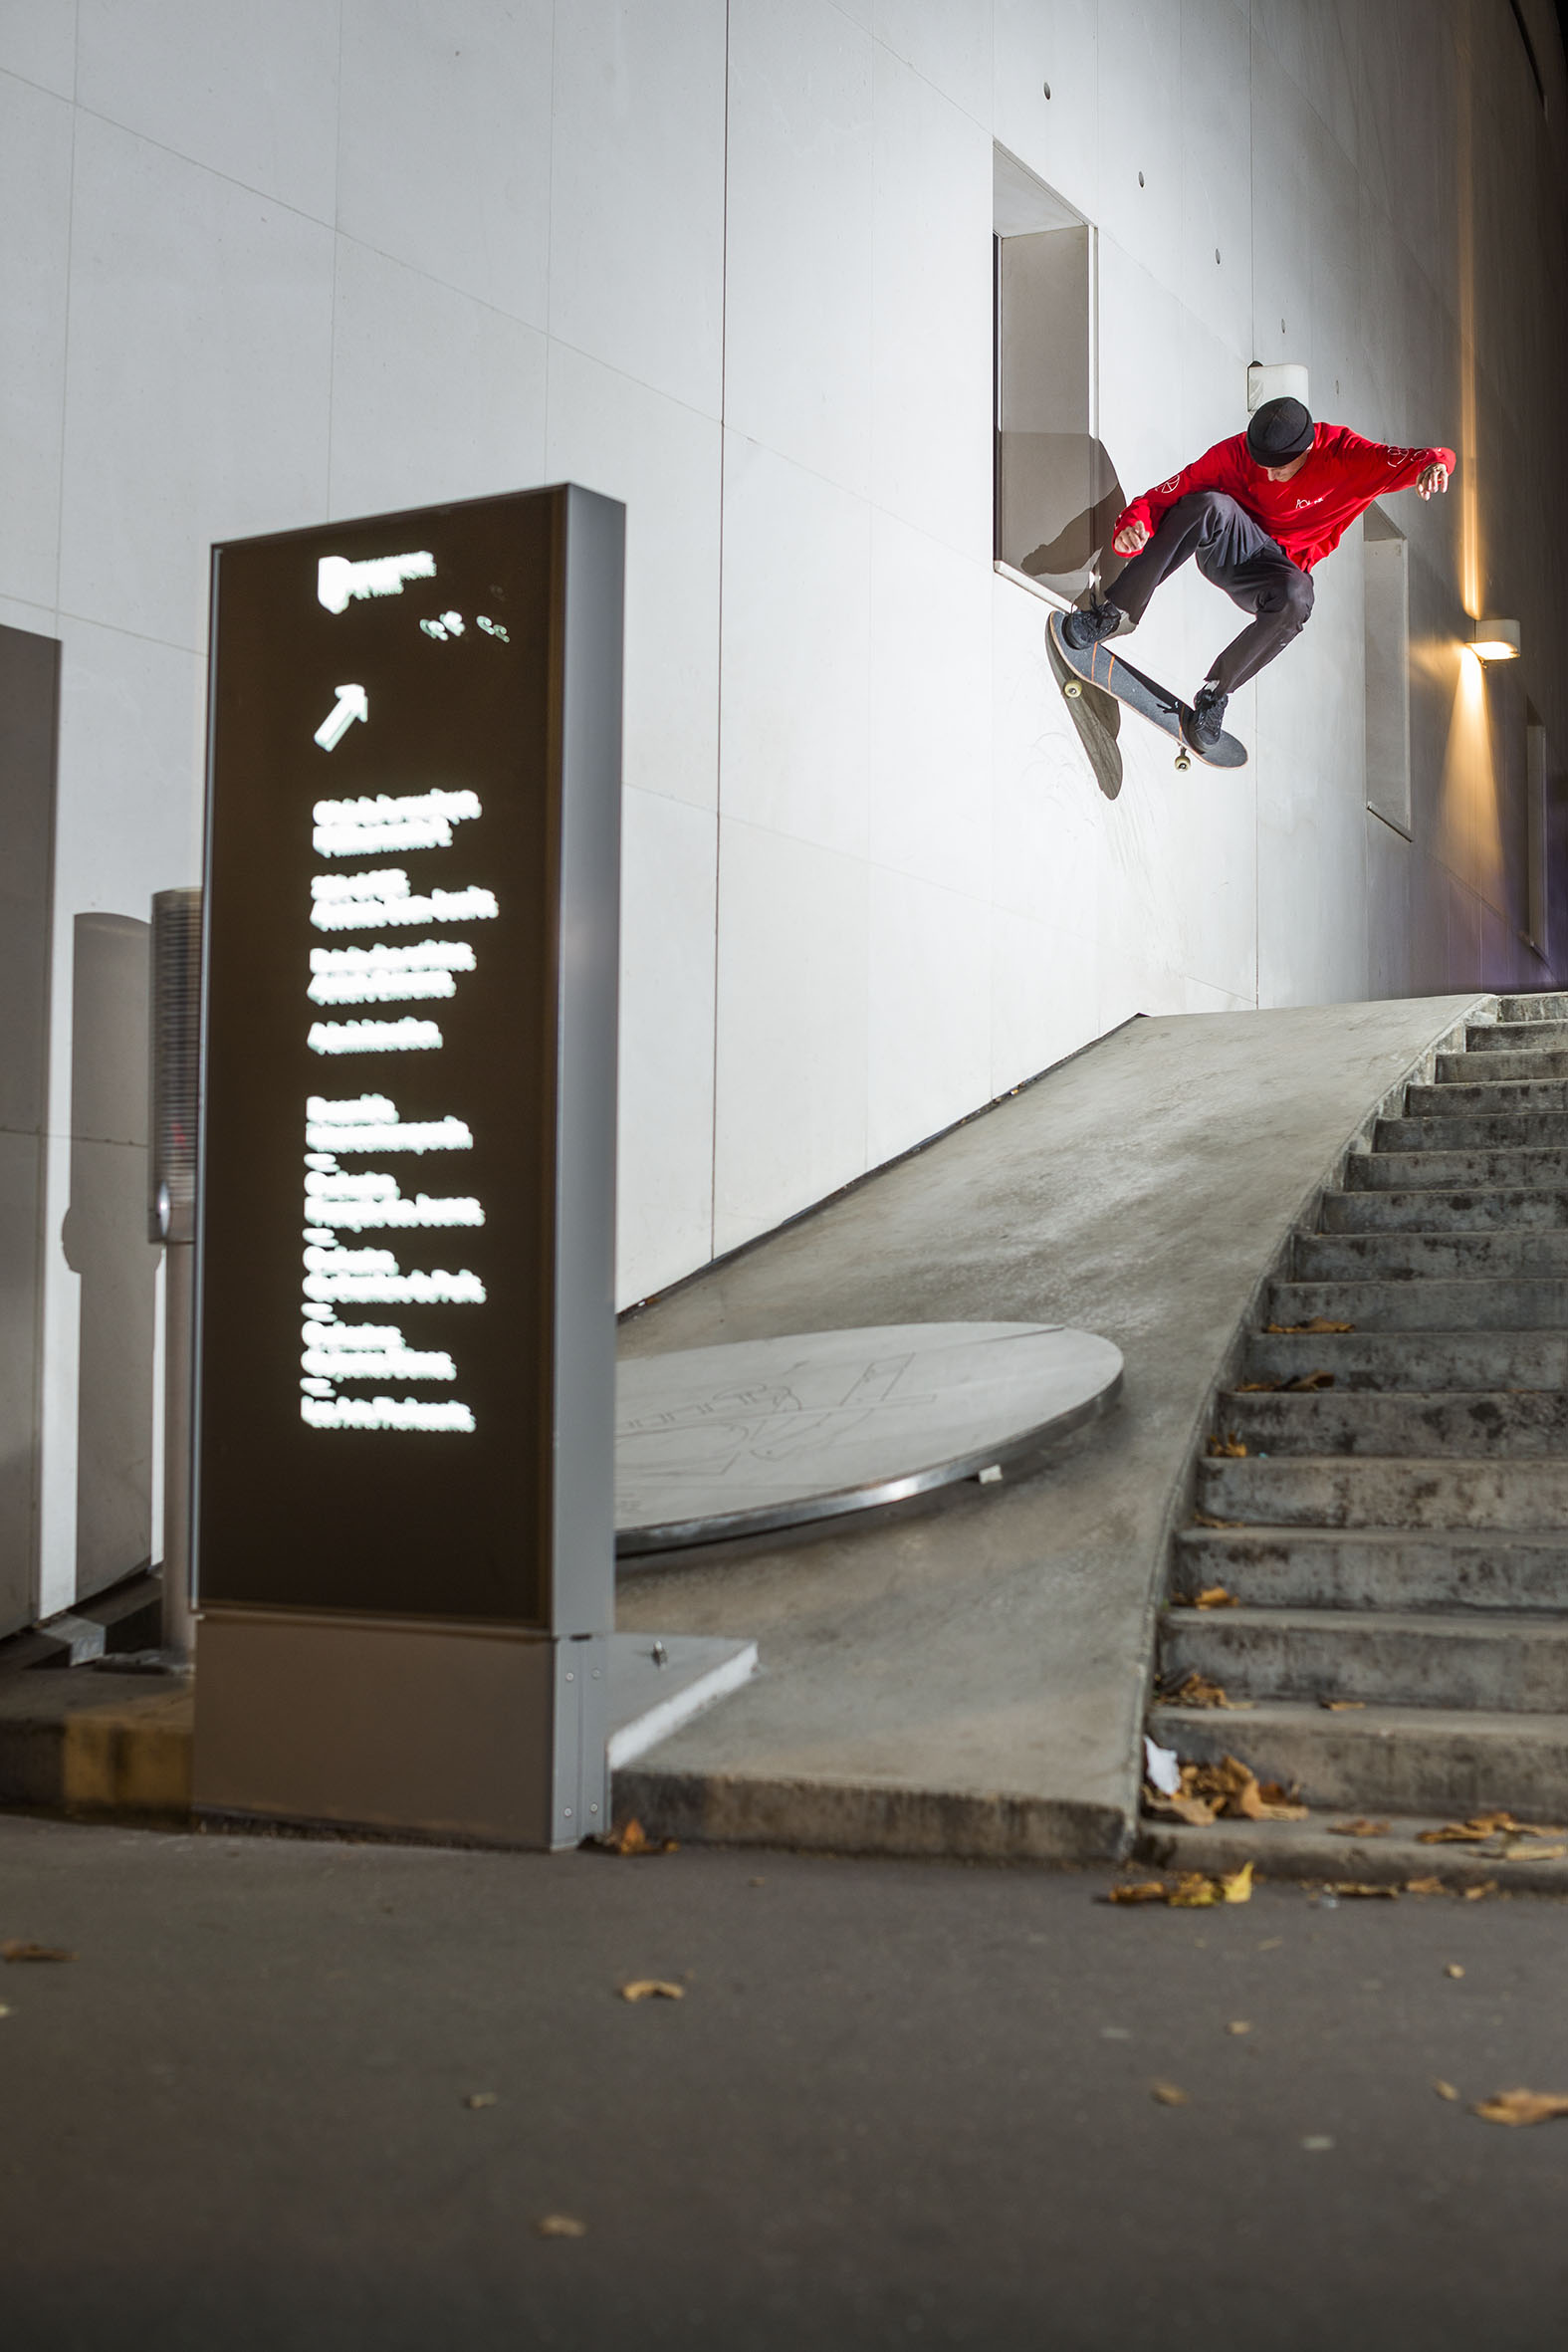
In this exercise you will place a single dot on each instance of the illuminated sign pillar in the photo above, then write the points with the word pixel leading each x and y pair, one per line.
pixel 405 1477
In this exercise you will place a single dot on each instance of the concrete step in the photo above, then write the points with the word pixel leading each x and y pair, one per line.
pixel 1385 1491
pixel 1491 1130
pixel 1414 1361
pixel 1310 1850
pixel 1381 1657
pixel 1375 1568
pixel 1547 1032
pixel 1548 1004
pixel 1545 1062
pixel 1463 1097
pixel 1405 1257
pixel 1502 1209
pixel 1456 1171
pixel 1492 1303
pixel 1467 1422
pixel 1451 1761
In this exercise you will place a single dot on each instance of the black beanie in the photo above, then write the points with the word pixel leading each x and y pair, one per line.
pixel 1278 431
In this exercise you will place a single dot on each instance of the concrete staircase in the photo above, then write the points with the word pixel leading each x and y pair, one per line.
pixel 1396 1543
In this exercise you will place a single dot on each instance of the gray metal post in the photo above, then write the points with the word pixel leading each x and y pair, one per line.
pixel 172 1218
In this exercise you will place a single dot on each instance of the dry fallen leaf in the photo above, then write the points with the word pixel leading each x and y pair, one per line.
pixel 1254 1387
pixel 1454 1969
pixel 1481 1888
pixel 633 1838
pixel 1196 1811
pixel 482 2099
pixel 1231 1788
pixel 1423 1886
pixel 1229 1444
pixel 17 1947
pixel 1206 1519
pixel 1215 1596
pixel 1444 2090
pixel 1238 2025
pixel 1358 1828
pixel 1318 1323
pixel 1480 1828
pixel 1166 2094
pixel 1535 1854
pixel 1310 1380
pixel 1522 2107
pixel 1361 1886
pixel 1192 1892
pixel 1195 1690
pixel 1342 1706
pixel 651 1989
pixel 560 2226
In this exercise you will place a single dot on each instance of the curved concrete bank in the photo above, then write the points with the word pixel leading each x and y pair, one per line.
pixel 968 1677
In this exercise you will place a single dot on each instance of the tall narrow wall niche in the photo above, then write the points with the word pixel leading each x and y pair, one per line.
pixel 1386 579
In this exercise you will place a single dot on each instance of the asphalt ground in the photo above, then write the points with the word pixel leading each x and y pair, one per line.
pixel 898 2103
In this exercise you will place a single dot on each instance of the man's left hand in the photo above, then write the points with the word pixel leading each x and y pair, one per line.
pixel 1435 478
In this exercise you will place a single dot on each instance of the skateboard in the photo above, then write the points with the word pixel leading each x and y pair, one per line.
pixel 1099 666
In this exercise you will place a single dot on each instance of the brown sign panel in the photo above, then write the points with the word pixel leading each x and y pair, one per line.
pixel 403 1268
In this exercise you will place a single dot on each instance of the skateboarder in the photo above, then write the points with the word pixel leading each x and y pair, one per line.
pixel 1257 513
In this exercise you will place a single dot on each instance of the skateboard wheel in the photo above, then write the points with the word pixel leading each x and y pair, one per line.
pixel 1072 689
pixel 1182 763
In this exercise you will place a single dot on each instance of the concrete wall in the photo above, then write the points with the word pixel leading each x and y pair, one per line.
pixel 733 264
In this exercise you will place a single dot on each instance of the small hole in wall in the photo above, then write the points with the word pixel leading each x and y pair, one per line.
pixel 1281 327
pixel 1217 253
pixel 1046 86
pixel 1140 180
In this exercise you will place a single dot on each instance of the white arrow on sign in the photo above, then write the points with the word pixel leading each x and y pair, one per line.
pixel 353 703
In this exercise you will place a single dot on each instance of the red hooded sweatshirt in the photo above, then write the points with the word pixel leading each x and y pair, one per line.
pixel 1308 514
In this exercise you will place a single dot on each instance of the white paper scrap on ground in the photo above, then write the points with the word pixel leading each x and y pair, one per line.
pixel 1162 1767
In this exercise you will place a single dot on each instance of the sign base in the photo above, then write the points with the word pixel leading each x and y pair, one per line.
pixel 451 1729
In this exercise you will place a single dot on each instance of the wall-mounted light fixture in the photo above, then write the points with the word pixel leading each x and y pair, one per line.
pixel 1496 640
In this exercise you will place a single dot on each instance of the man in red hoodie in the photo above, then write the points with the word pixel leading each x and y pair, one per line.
pixel 1256 513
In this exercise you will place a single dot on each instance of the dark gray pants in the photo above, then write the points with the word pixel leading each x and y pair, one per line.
pixel 1239 555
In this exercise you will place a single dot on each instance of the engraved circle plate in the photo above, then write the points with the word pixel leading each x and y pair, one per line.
pixel 713 1442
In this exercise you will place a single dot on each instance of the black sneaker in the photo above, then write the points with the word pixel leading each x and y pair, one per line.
pixel 1085 625
pixel 1207 720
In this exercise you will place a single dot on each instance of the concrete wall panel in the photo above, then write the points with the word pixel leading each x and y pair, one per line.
pixel 732 262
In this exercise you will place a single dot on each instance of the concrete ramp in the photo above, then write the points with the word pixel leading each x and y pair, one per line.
pixel 970 1677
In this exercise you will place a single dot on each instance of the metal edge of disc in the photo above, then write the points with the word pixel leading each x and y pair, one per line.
pixel 638 1543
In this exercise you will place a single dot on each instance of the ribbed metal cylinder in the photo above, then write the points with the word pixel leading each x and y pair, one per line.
pixel 176 1041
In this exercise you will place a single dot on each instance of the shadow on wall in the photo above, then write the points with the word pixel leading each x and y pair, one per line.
pixel 106 1245
pixel 1066 485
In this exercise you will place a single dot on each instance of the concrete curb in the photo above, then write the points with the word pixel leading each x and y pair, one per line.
pixel 99 1751
pixel 846 1818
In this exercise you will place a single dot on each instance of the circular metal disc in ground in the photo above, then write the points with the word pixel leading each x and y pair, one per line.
pixel 713 1442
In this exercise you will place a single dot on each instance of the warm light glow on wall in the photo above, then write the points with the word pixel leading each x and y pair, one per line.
pixel 1496 640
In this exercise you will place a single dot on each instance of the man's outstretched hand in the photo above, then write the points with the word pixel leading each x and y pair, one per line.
pixel 1133 536
pixel 1435 478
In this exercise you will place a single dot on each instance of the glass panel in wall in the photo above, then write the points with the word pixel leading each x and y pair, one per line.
pixel 1387 611
pixel 1537 768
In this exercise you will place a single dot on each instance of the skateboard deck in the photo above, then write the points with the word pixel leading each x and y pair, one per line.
pixel 1099 666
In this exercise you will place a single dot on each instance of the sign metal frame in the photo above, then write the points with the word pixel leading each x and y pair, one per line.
pixel 450 1676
